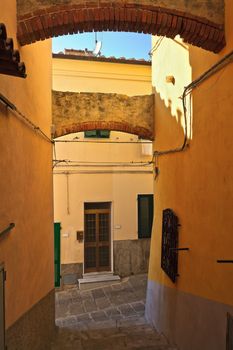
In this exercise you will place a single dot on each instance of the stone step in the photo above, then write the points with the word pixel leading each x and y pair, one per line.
pixel 92 281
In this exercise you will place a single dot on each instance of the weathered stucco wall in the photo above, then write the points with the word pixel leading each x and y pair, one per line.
pixel 199 22
pixel 197 185
pixel 73 112
pixel 26 186
pixel 131 257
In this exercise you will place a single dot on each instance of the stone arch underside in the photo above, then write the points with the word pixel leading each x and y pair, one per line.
pixel 75 112
pixel 198 22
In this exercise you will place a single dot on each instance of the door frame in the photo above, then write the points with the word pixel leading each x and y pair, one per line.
pixel 111 207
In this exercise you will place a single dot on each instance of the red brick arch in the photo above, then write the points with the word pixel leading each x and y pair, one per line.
pixel 112 125
pixel 41 22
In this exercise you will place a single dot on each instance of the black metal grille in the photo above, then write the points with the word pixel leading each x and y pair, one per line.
pixel 169 257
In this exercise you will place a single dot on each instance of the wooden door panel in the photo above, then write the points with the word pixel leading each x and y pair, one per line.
pixel 90 258
pixel 90 228
pixel 104 227
pixel 104 257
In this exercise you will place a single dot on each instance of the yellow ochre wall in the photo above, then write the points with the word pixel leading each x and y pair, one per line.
pixel 91 76
pixel 196 184
pixel 26 178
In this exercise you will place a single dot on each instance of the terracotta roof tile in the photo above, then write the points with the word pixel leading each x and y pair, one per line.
pixel 88 55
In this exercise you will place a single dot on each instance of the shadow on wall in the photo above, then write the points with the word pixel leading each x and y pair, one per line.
pixel 171 179
pixel 169 78
pixel 197 185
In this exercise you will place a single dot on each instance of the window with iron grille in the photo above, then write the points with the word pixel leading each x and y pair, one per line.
pixel 145 215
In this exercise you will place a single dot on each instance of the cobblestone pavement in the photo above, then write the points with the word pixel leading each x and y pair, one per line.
pixel 114 302
pixel 108 317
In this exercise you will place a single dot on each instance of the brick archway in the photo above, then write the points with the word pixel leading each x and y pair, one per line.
pixel 199 22
pixel 142 132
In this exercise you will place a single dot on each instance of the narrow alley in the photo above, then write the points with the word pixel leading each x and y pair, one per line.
pixel 106 317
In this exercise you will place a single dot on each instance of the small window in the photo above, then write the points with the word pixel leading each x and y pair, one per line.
pixel 145 215
pixel 101 134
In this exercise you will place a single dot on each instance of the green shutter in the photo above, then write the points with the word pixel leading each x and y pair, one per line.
pixel 57 253
pixel 97 134
pixel 104 134
pixel 145 215
pixel 90 133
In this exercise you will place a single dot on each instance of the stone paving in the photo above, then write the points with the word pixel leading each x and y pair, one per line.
pixel 117 301
pixel 107 317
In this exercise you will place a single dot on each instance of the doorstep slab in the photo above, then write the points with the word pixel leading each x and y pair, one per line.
pixel 97 280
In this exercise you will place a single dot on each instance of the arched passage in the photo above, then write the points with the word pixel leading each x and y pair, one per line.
pixel 39 20
pixel 74 112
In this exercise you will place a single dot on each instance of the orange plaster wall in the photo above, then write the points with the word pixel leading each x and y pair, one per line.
pixel 26 178
pixel 197 184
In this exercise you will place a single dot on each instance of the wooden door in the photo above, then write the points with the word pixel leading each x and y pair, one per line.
pixel 97 240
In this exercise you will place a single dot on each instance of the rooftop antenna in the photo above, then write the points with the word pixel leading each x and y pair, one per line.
pixel 98 45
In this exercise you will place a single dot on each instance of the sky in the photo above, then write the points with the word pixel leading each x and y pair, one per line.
pixel 118 44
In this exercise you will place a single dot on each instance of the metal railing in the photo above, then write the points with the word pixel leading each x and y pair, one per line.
pixel 7 229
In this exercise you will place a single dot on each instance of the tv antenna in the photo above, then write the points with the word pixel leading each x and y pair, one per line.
pixel 98 46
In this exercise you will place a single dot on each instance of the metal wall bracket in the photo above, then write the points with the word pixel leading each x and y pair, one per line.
pixel 179 249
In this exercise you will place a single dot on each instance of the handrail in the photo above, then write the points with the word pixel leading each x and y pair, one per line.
pixel 178 249
pixel 8 229
pixel 225 261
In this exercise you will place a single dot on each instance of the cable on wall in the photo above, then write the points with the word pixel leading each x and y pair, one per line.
pixel 75 172
pixel 74 163
pixel 139 142
pixel 67 194
pixel 10 106
pixel 156 46
pixel 188 90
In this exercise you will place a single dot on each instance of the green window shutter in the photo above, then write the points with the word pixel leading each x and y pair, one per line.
pixel 104 134
pixel 97 134
pixel 57 253
pixel 90 133
pixel 145 215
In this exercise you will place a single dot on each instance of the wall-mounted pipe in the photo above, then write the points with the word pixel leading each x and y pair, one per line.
pixel 187 90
